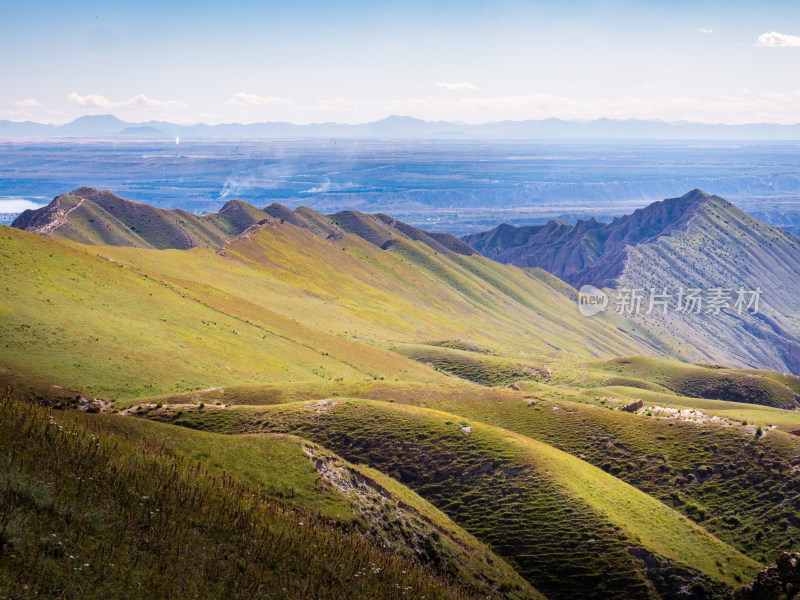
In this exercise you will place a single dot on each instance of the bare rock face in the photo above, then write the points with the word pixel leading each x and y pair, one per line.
pixel 780 581
pixel 589 251
pixel 672 582
pixel 633 406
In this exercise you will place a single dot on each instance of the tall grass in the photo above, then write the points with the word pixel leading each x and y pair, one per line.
pixel 87 515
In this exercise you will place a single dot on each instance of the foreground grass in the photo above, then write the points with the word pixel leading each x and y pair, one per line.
pixel 384 511
pixel 569 528
pixel 89 515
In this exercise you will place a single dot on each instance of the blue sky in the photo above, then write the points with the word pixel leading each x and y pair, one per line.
pixel 472 61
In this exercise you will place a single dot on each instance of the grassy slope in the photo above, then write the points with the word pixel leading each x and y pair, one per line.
pixel 354 287
pixel 756 415
pixel 472 366
pixel 85 514
pixel 740 487
pixel 277 304
pixel 528 500
pixel 93 324
pixel 395 518
pixel 696 381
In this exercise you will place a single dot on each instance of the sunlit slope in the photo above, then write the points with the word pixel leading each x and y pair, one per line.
pixel 93 324
pixel 571 529
pixel 301 474
pixel 408 292
pixel 717 383
pixel 738 484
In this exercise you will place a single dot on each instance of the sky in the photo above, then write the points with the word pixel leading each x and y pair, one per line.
pixel 472 61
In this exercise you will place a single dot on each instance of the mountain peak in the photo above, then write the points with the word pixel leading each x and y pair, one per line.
pixel 91 193
pixel 696 193
pixel 105 119
pixel 691 197
pixel 569 252
pixel 232 205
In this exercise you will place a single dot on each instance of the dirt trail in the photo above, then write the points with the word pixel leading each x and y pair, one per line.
pixel 60 217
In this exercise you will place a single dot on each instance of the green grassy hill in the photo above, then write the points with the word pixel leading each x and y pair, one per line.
pixel 569 528
pixel 92 510
pixel 305 476
pixel 277 303
pixel 737 482
pixel 733 385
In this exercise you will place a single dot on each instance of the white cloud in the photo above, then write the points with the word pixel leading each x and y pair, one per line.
pixel 143 101
pixel 775 39
pixel 11 204
pixel 28 103
pixel 706 30
pixel 243 100
pixel 90 100
pixel 138 101
pixel 333 104
pixel 463 85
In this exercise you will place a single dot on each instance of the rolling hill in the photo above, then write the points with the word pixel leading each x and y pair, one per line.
pixel 279 302
pixel 296 382
pixel 697 242
pixel 568 528
pixel 181 514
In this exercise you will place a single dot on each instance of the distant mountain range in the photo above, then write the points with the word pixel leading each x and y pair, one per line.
pixel 695 241
pixel 398 127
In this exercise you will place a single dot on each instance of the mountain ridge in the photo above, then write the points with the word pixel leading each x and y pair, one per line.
pixel 572 252
pixel 696 241
pixel 91 216
pixel 406 127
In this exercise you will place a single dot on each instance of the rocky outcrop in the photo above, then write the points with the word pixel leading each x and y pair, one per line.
pixel 780 581
pixel 588 250
pixel 672 582
pixel 633 407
